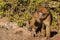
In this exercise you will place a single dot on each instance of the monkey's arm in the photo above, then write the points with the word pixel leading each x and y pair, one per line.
pixel 48 28
pixel 32 21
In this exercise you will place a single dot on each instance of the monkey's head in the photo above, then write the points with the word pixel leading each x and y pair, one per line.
pixel 42 12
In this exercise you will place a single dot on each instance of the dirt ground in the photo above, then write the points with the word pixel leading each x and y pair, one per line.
pixel 16 33
pixel 21 35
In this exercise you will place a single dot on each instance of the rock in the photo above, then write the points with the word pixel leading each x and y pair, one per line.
pixel 4 23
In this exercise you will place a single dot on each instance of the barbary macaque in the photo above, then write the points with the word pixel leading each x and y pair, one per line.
pixel 42 17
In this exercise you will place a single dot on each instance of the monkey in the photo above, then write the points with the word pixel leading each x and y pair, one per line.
pixel 42 17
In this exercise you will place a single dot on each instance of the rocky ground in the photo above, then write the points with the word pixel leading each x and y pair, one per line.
pixel 10 31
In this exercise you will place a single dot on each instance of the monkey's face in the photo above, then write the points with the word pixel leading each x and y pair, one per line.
pixel 42 15
pixel 42 12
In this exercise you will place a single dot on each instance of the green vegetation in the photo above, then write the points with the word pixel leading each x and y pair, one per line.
pixel 21 10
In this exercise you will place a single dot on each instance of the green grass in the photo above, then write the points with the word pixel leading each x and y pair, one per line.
pixel 27 8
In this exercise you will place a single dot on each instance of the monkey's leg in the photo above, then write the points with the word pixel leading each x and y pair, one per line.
pixel 48 31
pixel 43 30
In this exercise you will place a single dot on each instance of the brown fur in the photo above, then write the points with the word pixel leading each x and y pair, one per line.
pixel 44 19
